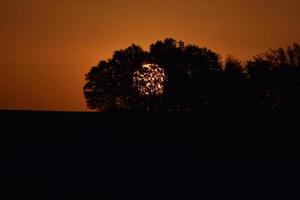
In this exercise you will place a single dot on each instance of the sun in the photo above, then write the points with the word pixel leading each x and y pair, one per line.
pixel 149 80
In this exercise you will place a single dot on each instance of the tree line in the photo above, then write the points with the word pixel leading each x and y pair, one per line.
pixel 196 79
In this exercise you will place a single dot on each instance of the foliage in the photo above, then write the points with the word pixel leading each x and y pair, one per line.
pixel 173 76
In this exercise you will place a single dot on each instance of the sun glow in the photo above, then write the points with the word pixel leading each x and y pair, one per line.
pixel 149 80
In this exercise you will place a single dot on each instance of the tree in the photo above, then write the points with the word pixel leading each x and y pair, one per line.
pixel 173 76
pixel 237 85
pixel 275 77
pixel 109 86
pixel 189 70
pixel 193 75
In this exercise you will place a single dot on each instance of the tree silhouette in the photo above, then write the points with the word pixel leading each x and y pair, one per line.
pixel 237 84
pixel 192 72
pixel 110 86
pixel 275 77
pixel 173 76
pixel 193 77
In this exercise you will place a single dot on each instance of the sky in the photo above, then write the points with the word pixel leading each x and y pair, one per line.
pixel 47 46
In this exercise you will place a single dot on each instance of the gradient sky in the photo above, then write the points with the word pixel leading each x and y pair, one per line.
pixel 47 46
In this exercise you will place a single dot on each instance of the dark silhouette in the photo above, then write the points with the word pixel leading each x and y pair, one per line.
pixel 110 83
pixel 237 84
pixel 192 73
pixel 275 79
pixel 192 78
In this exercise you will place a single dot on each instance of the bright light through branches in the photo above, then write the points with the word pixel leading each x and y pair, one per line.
pixel 149 80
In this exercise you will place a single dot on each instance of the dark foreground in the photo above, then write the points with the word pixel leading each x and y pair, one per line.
pixel 61 155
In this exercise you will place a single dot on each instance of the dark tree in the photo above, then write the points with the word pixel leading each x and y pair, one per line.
pixel 110 87
pixel 193 75
pixel 193 79
pixel 275 78
pixel 173 76
pixel 237 84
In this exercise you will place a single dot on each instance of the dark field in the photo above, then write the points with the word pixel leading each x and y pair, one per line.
pixel 64 155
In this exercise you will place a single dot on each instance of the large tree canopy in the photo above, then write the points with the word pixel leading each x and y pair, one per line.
pixel 275 78
pixel 111 83
pixel 173 76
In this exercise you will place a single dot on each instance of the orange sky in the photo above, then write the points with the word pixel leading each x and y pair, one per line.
pixel 48 45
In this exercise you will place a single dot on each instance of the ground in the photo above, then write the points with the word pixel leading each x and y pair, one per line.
pixel 61 155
